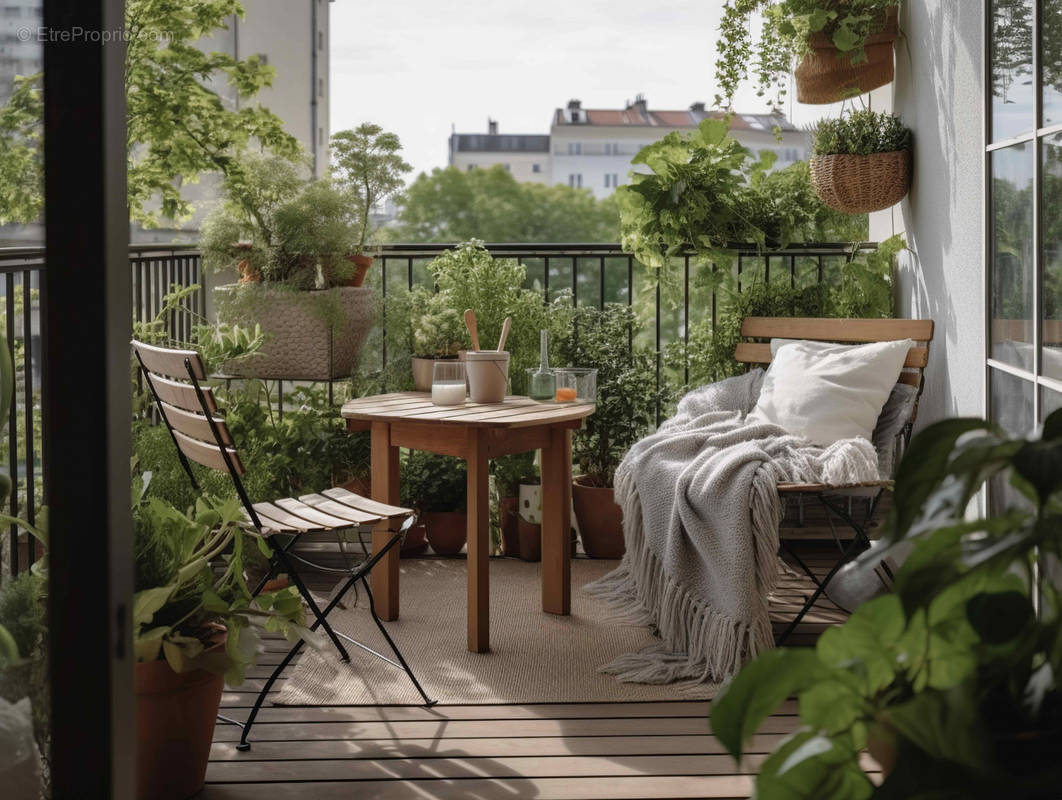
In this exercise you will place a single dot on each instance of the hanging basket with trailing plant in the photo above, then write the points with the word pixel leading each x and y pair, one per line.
pixel 862 162
pixel 842 48
pixel 828 75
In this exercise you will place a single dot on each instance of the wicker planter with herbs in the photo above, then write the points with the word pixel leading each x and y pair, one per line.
pixel 827 75
pixel 859 184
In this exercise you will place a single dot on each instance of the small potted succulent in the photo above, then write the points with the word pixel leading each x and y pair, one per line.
pixel 843 47
pixel 435 486
pixel 627 399
pixel 861 162
pixel 367 165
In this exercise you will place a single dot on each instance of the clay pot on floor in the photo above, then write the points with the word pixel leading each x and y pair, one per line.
pixel 416 541
pixel 447 531
pixel 361 267
pixel 530 537
pixel 509 520
pixel 175 715
pixel 600 519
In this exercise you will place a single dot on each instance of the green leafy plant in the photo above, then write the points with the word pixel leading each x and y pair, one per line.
pixel 705 192
pixel 279 226
pixel 861 133
pixel 861 287
pixel 367 164
pixel 188 598
pixel 627 391
pixel 783 37
pixel 951 679
pixel 431 482
pixel 438 330
pixel 178 125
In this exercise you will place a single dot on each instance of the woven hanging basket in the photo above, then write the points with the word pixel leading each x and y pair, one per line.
pixel 826 75
pixel 861 184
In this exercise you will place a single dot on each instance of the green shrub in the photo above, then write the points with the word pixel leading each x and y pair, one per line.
pixel 431 482
pixel 861 133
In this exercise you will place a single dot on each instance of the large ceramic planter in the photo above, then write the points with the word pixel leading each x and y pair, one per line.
pixel 424 370
pixel 859 184
pixel 175 715
pixel 600 520
pixel 447 531
pixel 311 336
pixel 826 75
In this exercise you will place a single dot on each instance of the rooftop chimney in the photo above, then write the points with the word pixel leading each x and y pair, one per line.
pixel 697 106
pixel 492 126
pixel 575 104
pixel 640 105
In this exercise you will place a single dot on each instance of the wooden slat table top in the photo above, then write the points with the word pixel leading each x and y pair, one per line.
pixel 514 412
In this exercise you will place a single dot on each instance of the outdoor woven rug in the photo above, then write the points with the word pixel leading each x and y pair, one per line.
pixel 535 657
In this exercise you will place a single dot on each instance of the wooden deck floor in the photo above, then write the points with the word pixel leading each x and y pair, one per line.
pixel 600 751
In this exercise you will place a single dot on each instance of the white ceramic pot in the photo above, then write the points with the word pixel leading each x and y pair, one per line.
pixel 530 503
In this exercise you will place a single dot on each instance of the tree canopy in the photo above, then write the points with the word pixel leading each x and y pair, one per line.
pixel 489 204
pixel 178 127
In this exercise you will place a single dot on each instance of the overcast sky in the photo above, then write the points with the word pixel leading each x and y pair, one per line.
pixel 417 66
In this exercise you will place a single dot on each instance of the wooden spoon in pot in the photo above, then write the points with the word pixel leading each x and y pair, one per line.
pixel 505 333
pixel 470 323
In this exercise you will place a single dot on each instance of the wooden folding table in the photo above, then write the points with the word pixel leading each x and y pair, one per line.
pixel 477 433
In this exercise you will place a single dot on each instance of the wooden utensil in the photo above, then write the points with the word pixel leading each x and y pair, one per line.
pixel 505 333
pixel 470 323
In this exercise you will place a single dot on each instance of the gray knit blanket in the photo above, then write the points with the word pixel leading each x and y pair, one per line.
pixel 700 520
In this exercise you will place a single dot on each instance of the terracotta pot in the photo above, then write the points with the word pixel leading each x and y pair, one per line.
pixel 175 715
pixel 530 539
pixel 446 530
pixel 600 519
pixel 416 541
pixel 423 372
pixel 509 520
pixel 825 75
pixel 248 274
pixel 361 267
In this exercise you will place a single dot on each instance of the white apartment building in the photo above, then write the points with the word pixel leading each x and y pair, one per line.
pixel 592 148
pixel 525 155
pixel 20 52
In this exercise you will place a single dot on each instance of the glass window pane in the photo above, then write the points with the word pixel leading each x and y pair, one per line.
pixel 1011 408
pixel 1051 60
pixel 1012 78
pixel 1050 401
pixel 1011 267
pixel 1051 259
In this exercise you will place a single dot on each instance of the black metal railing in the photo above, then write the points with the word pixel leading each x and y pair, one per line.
pixel 594 274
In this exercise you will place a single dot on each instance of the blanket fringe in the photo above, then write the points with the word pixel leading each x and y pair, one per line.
pixel 699 644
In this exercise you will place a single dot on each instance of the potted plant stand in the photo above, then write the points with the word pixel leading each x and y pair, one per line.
pixel 827 75
pixel 600 519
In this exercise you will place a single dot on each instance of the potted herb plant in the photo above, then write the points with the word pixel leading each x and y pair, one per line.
pixel 627 400
pixel 367 165
pixel 844 47
pixel 438 334
pixel 861 162
pixel 288 236
pixel 511 474
pixel 951 680
pixel 435 486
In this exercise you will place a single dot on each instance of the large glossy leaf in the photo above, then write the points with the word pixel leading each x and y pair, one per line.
pixel 830 707
pixel 999 617
pixel 862 646
pixel 923 467
pixel 1040 463
pixel 149 601
pixel 945 725
pixel 810 766
pixel 759 689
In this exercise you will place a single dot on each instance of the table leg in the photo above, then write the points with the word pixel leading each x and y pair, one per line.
pixel 384 490
pixel 478 542
pixel 556 523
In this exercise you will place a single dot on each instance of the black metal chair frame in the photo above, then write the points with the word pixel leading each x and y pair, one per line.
pixel 283 558
pixel 860 540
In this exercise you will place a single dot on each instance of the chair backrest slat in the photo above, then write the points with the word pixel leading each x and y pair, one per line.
pixel 825 329
pixel 196 425
pixel 209 455
pixel 171 363
pixel 182 395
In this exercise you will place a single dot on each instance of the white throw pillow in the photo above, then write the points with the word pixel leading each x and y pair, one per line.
pixel 827 392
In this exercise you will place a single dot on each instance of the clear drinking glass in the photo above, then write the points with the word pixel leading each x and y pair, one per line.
pixel 448 383
pixel 576 385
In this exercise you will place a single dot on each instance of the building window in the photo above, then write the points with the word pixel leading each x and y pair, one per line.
pixel 575 180
pixel 575 116
pixel 320 87
pixel 471 167
pixel 612 148
pixel 575 148
pixel 611 180
pixel 320 136
pixel 1023 164
pixel 320 40
pixel 536 167
pixel 507 168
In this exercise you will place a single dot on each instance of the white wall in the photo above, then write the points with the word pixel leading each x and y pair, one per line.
pixel 938 92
